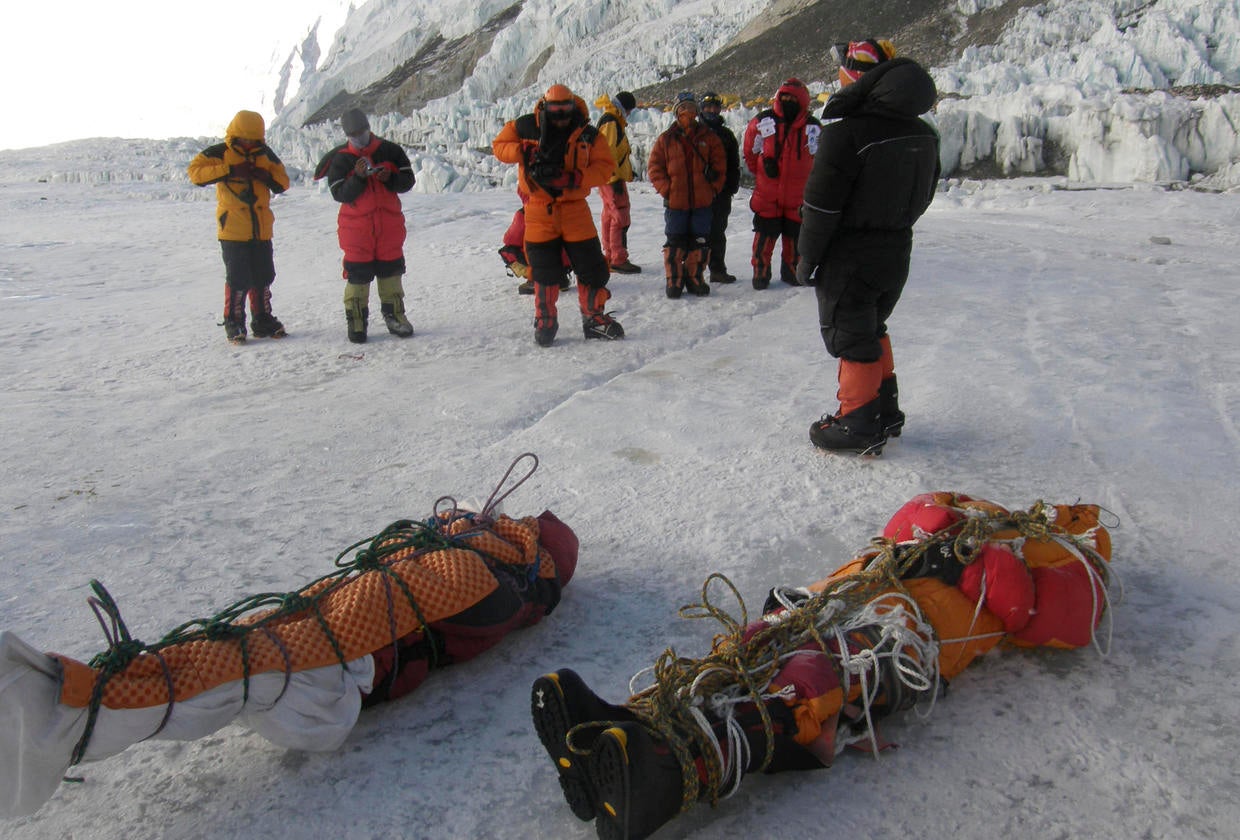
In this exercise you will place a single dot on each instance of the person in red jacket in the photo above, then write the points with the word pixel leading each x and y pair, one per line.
pixel 560 158
pixel 246 174
pixel 366 175
pixel 779 148
pixel 687 167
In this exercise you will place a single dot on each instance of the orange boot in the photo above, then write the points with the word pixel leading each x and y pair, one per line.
pixel 546 324
pixel 673 259
pixel 695 265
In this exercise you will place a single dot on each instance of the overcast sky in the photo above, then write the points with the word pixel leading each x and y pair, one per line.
pixel 140 68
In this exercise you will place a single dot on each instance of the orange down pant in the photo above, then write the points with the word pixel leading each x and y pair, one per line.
pixel 558 227
pixel 616 220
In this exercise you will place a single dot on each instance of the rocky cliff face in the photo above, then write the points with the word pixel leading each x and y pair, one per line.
pixel 439 67
pixel 786 38
pixel 1099 90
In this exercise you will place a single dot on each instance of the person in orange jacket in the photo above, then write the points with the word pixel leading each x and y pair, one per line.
pixel 687 167
pixel 560 158
pixel 246 174
pixel 779 147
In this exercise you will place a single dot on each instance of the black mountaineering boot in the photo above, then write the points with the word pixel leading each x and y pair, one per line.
pixel 545 330
pixel 601 325
pixel 235 331
pixel 858 431
pixel 637 781
pixel 357 318
pixel 264 325
pixel 889 413
pixel 558 702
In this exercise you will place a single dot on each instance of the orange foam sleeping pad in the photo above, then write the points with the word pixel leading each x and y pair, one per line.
pixel 359 612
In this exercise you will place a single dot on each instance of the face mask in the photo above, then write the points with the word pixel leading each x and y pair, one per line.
pixel 685 118
pixel 360 141
pixel 791 108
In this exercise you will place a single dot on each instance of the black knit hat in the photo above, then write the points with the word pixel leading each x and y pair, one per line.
pixel 626 100
pixel 354 122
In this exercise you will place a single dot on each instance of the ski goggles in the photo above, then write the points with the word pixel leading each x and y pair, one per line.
pixel 560 110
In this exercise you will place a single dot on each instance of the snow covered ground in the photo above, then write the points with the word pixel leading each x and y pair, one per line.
pixel 1052 344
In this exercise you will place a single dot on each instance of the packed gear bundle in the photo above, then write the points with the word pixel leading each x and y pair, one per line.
pixel 294 667
pixel 949 579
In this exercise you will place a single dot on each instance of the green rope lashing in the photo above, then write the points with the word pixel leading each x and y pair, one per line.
pixel 373 554
pixel 122 649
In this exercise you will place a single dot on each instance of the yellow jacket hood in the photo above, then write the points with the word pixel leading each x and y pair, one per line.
pixel 247 125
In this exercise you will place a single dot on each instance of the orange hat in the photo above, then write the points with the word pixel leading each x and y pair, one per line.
pixel 558 103
pixel 558 93
pixel 862 56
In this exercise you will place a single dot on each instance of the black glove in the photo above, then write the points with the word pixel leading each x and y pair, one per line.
pixel 245 169
pixel 263 175
pixel 771 167
pixel 547 174
pixel 546 170
pixel 710 173
pixel 617 188
pixel 806 273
